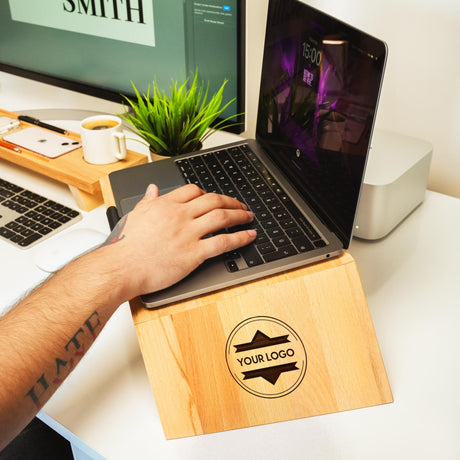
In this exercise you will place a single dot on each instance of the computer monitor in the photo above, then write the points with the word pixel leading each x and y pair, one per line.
pixel 99 47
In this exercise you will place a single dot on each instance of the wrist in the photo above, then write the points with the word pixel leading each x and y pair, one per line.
pixel 101 273
pixel 112 269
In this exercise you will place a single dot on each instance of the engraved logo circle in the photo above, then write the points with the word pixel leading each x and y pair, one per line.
pixel 266 357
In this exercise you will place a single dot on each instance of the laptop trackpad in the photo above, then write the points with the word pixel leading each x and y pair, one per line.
pixel 127 204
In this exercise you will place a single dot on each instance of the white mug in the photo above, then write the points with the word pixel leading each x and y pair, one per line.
pixel 102 139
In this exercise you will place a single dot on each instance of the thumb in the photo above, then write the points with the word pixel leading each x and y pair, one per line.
pixel 152 192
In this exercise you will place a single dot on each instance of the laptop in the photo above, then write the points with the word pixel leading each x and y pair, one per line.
pixel 302 174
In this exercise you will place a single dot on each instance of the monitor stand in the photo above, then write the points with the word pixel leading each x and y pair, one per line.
pixel 81 177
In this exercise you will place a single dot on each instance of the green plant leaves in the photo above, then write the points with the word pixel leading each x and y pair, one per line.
pixel 178 123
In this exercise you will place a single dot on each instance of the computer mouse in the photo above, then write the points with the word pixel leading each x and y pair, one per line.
pixel 59 250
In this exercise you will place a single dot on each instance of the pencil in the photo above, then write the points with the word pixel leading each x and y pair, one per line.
pixel 9 145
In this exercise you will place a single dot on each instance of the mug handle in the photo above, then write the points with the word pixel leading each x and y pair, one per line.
pixel 121 143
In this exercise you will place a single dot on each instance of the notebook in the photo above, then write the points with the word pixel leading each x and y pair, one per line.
pixel 302 174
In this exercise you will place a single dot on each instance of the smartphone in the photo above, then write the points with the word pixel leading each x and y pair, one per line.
pixel 7 124
pixel 43 141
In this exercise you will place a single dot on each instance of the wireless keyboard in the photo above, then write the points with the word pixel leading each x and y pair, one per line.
pixel 27 218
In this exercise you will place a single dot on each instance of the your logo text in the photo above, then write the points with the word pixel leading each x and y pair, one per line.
pixel 266 357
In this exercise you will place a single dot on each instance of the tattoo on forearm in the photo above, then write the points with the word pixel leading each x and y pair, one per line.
pixel 63 366
pixel 117 233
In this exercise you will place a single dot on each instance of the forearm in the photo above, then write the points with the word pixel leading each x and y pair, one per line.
pixel 55 325
pixel 157 244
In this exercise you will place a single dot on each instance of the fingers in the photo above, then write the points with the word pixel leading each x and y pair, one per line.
pixel 220 244
pixel 211 202
pixel 185 193
pixel 201 202
pixel 191 192
pixel 180 195
pixel 217 219
pixel 204 213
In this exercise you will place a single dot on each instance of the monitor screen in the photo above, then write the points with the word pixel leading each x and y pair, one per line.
pixel 99 47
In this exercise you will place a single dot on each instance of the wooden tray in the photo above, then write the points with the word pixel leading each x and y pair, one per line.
pixel 71 169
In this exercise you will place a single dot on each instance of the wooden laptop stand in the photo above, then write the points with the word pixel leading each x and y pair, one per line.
pixel 288 346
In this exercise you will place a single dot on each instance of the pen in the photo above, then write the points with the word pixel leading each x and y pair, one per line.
pixel 37 122
pixel 9 145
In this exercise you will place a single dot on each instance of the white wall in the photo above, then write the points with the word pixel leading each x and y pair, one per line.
pixel 421 91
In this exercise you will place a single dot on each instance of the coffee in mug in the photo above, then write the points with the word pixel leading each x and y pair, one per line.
pixel 98 125
pixel 103 139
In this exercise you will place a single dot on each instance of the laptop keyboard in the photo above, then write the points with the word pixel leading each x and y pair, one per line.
pixel 282 231
pixel 27 218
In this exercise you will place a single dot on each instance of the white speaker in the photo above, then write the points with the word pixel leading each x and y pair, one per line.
pixel 394 185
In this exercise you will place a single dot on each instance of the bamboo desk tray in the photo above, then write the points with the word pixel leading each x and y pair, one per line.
pixel 71 169
pixel 289 346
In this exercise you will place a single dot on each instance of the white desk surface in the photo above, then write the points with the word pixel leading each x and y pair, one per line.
pixel 412 283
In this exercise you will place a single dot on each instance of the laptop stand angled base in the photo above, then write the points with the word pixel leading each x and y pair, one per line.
pixel 285 347
pixel 289 346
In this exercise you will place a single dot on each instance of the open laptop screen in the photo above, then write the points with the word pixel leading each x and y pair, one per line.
pixel 319 91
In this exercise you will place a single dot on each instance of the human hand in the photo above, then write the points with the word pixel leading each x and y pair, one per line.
pixel 162 239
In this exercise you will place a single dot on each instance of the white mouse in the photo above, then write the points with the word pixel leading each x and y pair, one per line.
pixel 61 249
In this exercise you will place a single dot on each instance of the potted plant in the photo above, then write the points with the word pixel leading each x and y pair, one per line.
pixel 180 122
